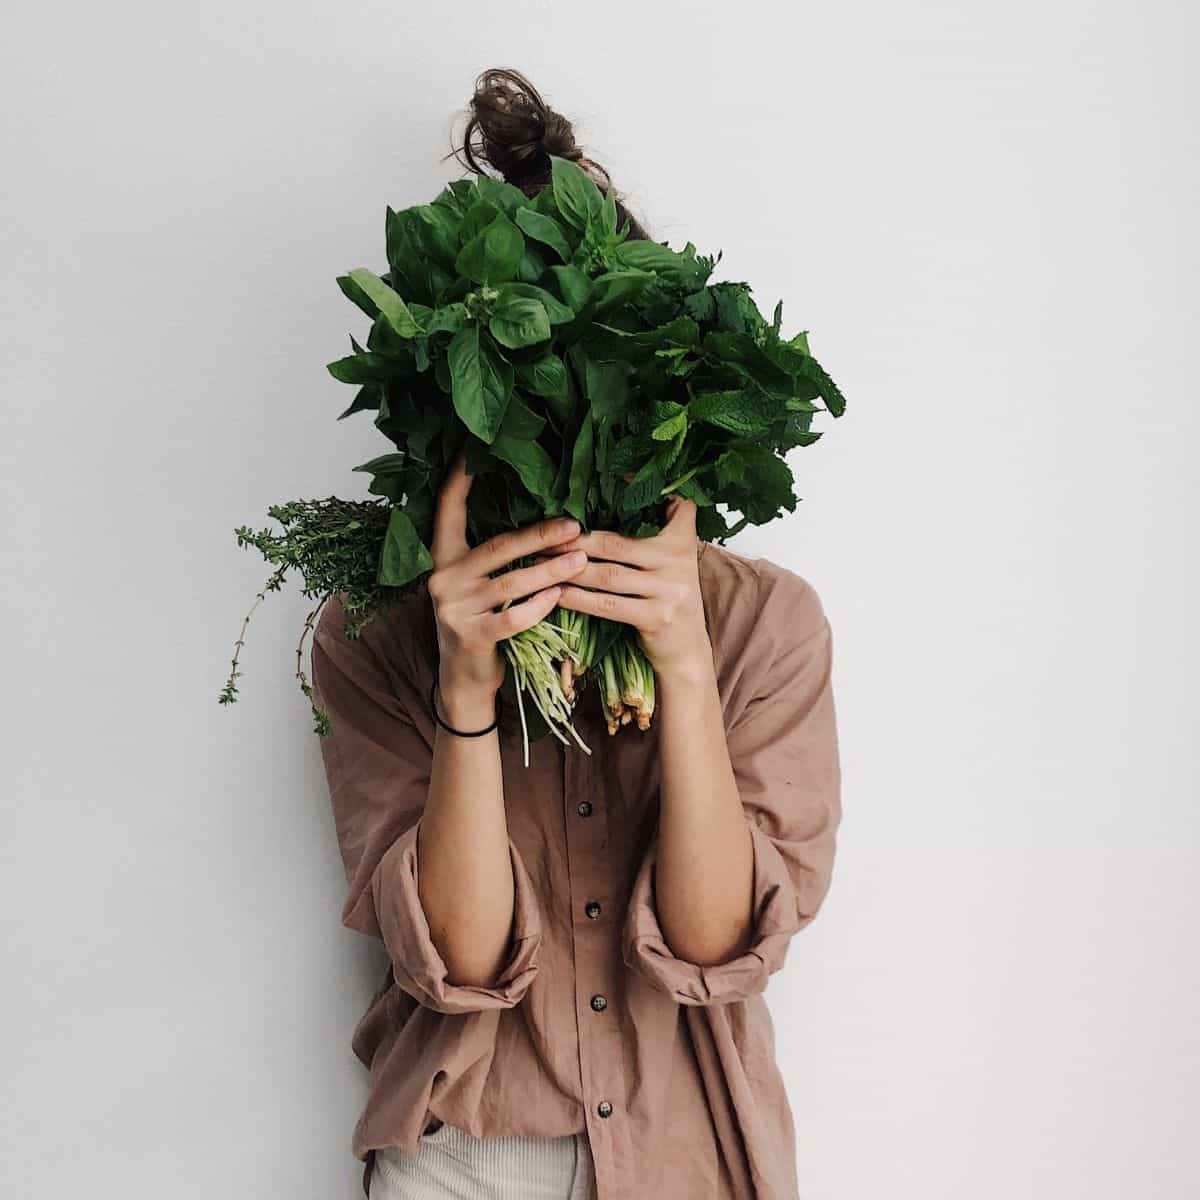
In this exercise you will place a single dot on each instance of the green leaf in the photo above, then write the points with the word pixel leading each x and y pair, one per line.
pixel 745 412
pixel 545 376
pixel 575 192
pixel 355 293
pixel 666 430
pixel 556 310
pixel 416 274
pixel 616 287
pixel 368 398
pixel 710 525
pixel 645 487
pixel 533 263
pixel 701 306
pixel 689 489
pixel 477 218
pixel 481 382
pixel 826 388
pixel 530 461
pixel 545 230
pixel 736 310
pixel 403 555
pixel 606 223
pixel 384 464
pixel 607 386
pixel 389 303
pixel 678 270
pixel 448 319
pixel 505 196
pixel 516 323
pixel 520 421
pixel 366 368
pixel 494 254
pixel 582 464
pixel 436 230
pixel 573 285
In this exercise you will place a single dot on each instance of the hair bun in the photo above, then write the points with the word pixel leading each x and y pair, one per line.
pixel 515 131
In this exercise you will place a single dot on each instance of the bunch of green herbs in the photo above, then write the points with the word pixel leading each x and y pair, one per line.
pixel 584 373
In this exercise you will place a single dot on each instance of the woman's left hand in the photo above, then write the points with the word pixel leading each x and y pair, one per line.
pixel 651 583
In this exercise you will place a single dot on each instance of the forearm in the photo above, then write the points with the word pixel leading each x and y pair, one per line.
pixel 703 880
pixel 463 866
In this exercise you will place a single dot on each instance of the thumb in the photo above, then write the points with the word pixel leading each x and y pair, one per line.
pixel 450 519
pixel 681 514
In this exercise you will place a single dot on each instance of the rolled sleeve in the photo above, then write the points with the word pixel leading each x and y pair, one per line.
pixel 420 969
pixel 378 757
pixel 783 749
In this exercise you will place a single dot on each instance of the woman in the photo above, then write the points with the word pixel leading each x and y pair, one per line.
pixel 578 948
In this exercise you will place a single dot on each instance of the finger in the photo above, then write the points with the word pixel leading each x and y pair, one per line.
pixel 629 609
pixel 616 577
pixel 681 515
pixel 524 581
pixel 450 518
pixel 497 626
pixel 499 551
pixel 604 543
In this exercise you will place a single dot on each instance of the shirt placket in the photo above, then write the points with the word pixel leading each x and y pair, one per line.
pixel 595 926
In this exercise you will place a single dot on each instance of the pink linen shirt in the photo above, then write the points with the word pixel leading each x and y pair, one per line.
pixel 593 1024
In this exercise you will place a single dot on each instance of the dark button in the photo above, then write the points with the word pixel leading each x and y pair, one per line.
pixel 585 808
pixel 592 908
pixel 599 1003
pixel 604 1108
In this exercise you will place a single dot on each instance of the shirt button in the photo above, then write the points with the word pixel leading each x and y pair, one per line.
pixel 604 1108
pixel 599 1003
pixel 585 808
pixel 592 908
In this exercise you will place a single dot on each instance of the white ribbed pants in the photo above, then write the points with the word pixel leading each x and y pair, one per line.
pixel 451 1164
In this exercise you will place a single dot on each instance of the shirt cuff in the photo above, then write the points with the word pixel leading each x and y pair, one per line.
pixel 418 967
pixel 776 919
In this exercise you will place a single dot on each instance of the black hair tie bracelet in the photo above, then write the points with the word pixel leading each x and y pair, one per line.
pixel 450 728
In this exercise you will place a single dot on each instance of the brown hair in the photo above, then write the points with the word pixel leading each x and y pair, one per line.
pixel 514 131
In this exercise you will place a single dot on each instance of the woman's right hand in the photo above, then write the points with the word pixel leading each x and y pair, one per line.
pixel 465 596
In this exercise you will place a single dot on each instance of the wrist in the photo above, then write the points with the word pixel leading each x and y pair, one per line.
pixel 465 704
pixel 692 670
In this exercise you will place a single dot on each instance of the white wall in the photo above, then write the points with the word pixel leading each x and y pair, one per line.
pixel 984 213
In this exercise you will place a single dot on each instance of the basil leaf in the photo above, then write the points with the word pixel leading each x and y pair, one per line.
pixel 403 555
pixel 365 368
pixel 516 323
pixel 530 461
pixel 616 287
pixel 449 319
pixel 668 264
pixel 556 310
pixel 494 254
pixel 545 230
pixel 575 192
pixel 520 421
pixel 582 463
pixel 481 382
pixel 573 285
pixel 607 385
pixel 546 376
pixel 390 305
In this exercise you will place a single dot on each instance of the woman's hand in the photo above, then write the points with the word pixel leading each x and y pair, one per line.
pixel 651 583
pixel 465 594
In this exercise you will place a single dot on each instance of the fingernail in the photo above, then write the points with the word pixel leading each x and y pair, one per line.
pixel 568 525
pixel 576 558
